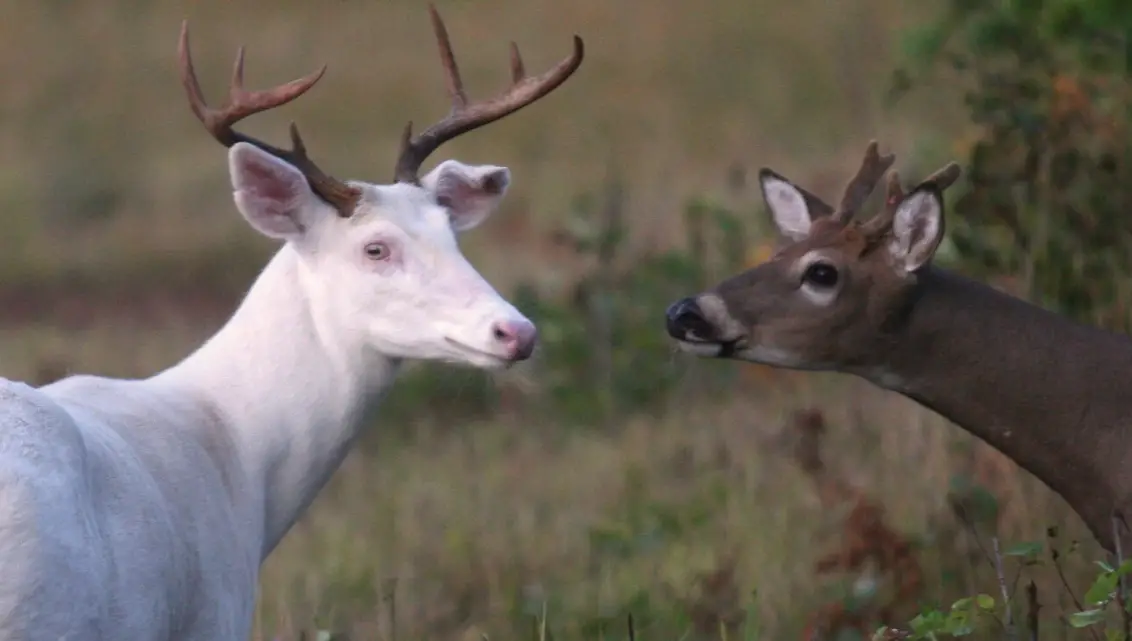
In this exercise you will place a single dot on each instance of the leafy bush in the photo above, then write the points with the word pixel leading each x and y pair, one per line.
pixel 1049 179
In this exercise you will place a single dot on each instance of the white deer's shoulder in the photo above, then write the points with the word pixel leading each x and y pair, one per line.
pixel 35 430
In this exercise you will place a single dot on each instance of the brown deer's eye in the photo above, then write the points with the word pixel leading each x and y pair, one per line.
pixel 821 275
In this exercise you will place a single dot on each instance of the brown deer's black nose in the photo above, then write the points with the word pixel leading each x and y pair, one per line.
pixel 686 321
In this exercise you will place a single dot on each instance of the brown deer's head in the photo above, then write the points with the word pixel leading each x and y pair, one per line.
pixel 832 293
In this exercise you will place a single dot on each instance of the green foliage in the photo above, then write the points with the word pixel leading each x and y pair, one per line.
pixel 1048 178
pixel 1096 606
pixel 604 348
pixel 959 621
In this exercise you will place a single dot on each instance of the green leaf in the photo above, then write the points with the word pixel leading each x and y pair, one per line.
pixel 1028 548
pixel 959 623
pixel 1086 618
pixel 962 604
pixel 1124 568
pixel 985 601
pixel 928 623
pixel 1102 589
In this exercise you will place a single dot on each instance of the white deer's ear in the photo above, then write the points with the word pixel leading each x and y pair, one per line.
pixel 917 228
pixel 469 192
pixel 787 205
pixel 269 192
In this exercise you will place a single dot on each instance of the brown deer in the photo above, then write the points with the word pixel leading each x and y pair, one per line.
pixel 862 297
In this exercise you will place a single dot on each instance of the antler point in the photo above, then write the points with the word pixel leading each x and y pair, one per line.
pixel 465 115
pixel 435 15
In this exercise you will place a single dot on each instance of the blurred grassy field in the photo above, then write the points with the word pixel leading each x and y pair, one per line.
pixel 121 250
pixel 98 149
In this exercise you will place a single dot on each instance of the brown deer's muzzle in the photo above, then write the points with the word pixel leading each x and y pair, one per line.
pixel 687 322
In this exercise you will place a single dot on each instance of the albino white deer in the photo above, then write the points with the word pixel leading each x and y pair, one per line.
pixel 862 297
pixel 140 510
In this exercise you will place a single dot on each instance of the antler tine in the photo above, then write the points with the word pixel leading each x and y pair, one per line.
pixel 517 70
pixel 465 117
pixel 873 168
pixel 942 178
pixel 448 60
pixel 945 176
pixel 894 194
pixel 243 103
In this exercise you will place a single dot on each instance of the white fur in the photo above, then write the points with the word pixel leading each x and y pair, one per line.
pixel 917 229
pixel 772 356
pixel 140 510
pixel 787 207
pixel 700 349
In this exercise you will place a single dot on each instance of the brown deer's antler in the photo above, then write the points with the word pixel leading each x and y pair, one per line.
pixel 872 169
pixel 942 178
pixel 243 103
pixel 465 117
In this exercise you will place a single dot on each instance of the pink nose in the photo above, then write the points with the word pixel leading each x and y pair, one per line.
pixel 517 338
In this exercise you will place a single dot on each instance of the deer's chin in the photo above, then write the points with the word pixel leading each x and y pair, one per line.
pixel 776 357
pixel 465 354
pixel 713 349
pixel 704 350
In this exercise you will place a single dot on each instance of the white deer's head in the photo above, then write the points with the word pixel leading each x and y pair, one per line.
pixel 382 260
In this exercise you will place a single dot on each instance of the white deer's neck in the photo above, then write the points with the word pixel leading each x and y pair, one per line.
pixel 292 395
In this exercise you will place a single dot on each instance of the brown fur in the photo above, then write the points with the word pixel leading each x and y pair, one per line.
pixel 1052 395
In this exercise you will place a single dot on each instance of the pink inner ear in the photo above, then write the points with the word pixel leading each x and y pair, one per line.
pixel 269 192
pixel 493 184
pixel 268 183
pixel 459 194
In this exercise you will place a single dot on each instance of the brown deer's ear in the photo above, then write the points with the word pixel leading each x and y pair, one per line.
pixel 792 209
pixel 917 228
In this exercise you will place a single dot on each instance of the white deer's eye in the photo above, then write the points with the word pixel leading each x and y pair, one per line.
pixel 377 251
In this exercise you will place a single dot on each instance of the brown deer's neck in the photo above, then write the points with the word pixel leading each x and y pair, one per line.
pixel 1052 394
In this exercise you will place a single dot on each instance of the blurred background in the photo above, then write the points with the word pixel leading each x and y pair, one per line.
pixel 611 475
